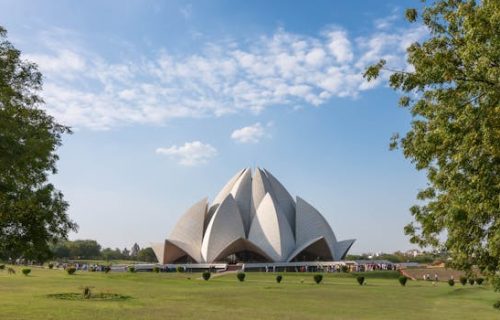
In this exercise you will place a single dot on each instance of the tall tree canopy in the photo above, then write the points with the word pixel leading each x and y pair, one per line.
pixel 146 255
pixel 453 92
pixel 32 211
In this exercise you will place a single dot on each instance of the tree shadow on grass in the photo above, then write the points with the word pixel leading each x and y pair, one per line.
pixel 466 291
pixel 101 296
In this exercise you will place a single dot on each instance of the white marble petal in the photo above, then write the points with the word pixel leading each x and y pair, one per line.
pixel 260 187
pixel 283 199
pixel 189 229
pixel 227 188
pixel 341 248
pixel 316 246
pixel 242 193
pixel 310 224
pixel 271 232
pixel 159 250
pixel 225 227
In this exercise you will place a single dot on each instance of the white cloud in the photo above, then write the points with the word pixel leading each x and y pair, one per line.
pixel 190 154
pixel 83 89
pixel 340 45
pixel 387 22
pixel 249 134
pixel 64 61
pixel 316 56
pixel 187 11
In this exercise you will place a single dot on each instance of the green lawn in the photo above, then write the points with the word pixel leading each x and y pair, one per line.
pixel 174 296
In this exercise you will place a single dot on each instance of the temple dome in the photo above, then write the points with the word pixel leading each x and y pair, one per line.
pixel 253 218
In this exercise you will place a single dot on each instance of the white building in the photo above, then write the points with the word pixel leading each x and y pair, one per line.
pixel 252 219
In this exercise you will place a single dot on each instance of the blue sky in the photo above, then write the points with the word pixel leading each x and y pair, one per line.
pixel 168 99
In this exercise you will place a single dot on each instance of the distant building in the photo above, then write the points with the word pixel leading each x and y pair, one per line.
pixel 372 265
pixel 413 253
pixel 252 219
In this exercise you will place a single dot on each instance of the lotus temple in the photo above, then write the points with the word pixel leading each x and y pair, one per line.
pixel 253 219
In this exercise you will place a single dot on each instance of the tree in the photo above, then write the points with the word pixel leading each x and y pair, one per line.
pixel 60 250
pixel 77 249
pixel 32 210
pixel 134 250
pixel 84 249
pixel 126 253
pixel 110 254
pixel 453 93
pixel 146 255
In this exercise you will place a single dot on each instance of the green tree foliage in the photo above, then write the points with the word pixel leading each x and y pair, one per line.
pixel 206 275
pixel 496 305
pixel 402 280
pixel 110 254
pixel 146 255
pixel 126 253
pixel 91 249
pixel 60 250
pixel 453 93
pixel 84 249
pixel 398 257
pixel 134 250
pixel 318 278
pixel 279 278
pixel 241 276
pixel 32 211
pixel 77 249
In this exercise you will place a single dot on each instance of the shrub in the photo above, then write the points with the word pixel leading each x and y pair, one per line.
pixel 11 270
pixel 51 266
pixel 471 281
pixel 479 281
pixel 26 271
pixel 206 275
pixel 107 269
pixel 497 305
pixel 71 270
pixel 403 280
pixel 279 277
pixel 241 276
pixel 360 279
pixel 179 269
pixel 318 278
pixel 451 282
pixel 2 267
pixel 344 268
pixel 131 269
pixel 87 293
pixel 463 280
pixel 156 269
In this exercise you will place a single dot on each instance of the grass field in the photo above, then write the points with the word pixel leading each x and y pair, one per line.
pixel 174 296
